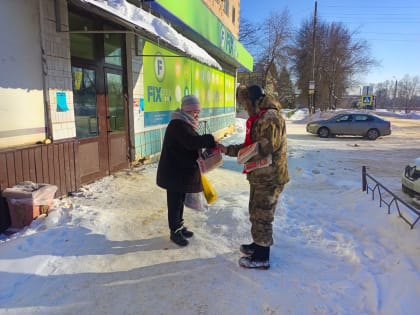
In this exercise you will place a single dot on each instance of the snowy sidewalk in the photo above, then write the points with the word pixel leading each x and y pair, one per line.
pixel 107 249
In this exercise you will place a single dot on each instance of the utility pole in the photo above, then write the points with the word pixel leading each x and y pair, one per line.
pixel 312 82
pixel 395 93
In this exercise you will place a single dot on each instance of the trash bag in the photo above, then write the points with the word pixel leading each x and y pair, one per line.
pixel 208 190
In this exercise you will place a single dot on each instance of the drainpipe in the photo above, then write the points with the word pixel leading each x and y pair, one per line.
pixel 45 87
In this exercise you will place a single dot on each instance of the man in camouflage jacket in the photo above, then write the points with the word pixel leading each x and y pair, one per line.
pixel 268 130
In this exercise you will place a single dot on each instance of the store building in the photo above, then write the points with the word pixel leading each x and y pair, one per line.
pixel 87 86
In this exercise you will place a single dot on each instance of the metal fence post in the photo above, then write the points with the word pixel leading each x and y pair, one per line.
pixel 364 178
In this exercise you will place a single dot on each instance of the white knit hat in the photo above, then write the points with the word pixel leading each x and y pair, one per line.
pixel 190 103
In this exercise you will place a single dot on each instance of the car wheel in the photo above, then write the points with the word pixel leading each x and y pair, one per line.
pixel 323 132
pixel 372 134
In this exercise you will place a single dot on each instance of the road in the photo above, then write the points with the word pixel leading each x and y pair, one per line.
pixel 385 158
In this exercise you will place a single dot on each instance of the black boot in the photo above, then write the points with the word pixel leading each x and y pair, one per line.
pixel 247 249
pixel 187 233
pixel 178 238
pixel 260 259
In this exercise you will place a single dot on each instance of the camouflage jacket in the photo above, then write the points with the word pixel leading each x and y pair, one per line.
pixel 269 130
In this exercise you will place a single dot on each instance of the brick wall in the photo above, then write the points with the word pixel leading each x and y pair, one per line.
pixel 57 67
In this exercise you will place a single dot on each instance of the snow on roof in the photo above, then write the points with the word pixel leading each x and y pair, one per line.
pixel 156 26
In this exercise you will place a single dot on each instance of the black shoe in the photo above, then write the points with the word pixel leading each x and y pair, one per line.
pixel 187 233
pixel 260 259
pixel 178 238
pixel 252 263
pixel 247 249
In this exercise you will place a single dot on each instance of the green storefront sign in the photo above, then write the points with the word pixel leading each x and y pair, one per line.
pixel 168 77
pixel 198 17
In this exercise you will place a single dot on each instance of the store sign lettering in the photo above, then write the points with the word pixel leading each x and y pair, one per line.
pixel 227 41
pixel 153 94
pixel 158 94
pixel 159 67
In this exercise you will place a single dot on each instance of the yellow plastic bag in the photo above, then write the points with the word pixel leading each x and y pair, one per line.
pixel 208 190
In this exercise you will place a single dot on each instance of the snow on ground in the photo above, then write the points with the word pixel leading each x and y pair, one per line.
pixel 106 250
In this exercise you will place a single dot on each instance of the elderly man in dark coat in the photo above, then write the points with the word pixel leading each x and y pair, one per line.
pixel 178 171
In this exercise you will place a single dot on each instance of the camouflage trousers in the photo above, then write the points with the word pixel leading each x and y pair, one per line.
pixel 262 205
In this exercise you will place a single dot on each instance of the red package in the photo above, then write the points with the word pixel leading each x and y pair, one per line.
pixel 249 167
pixel 210 159
pixel 248 152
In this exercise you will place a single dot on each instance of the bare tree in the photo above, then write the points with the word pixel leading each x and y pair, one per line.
pixel 407 90
pixel 339 57
pixel 248 34
pixel 276 34
pixel 268 43
pixel 302 59
pixel 402 94
pixel 285 89
pixel 385 94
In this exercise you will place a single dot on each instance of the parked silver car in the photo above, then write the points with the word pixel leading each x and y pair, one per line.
pixel 353 124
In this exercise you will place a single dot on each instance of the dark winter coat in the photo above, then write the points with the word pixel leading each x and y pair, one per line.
pixel 178 170
pixel 269 130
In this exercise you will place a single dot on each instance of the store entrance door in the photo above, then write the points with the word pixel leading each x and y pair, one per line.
pixel 99 96
pixel 116 121
pixel 100 116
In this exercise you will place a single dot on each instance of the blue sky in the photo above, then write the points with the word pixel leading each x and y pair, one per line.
pixel 392 28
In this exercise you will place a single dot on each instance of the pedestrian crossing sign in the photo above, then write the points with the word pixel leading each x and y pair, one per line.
pixel 367 100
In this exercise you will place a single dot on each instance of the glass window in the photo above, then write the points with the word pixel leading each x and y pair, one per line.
pixel 226 7
pixel 112 49
pixel 81 45
pixel 116 102
pixel 233 15
pixel 344 118
pixel 84 94
pixel 361 118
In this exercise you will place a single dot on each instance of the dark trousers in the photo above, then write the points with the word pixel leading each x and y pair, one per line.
pixel 175 201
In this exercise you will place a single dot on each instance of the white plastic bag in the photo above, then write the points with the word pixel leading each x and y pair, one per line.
pixel 195 201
